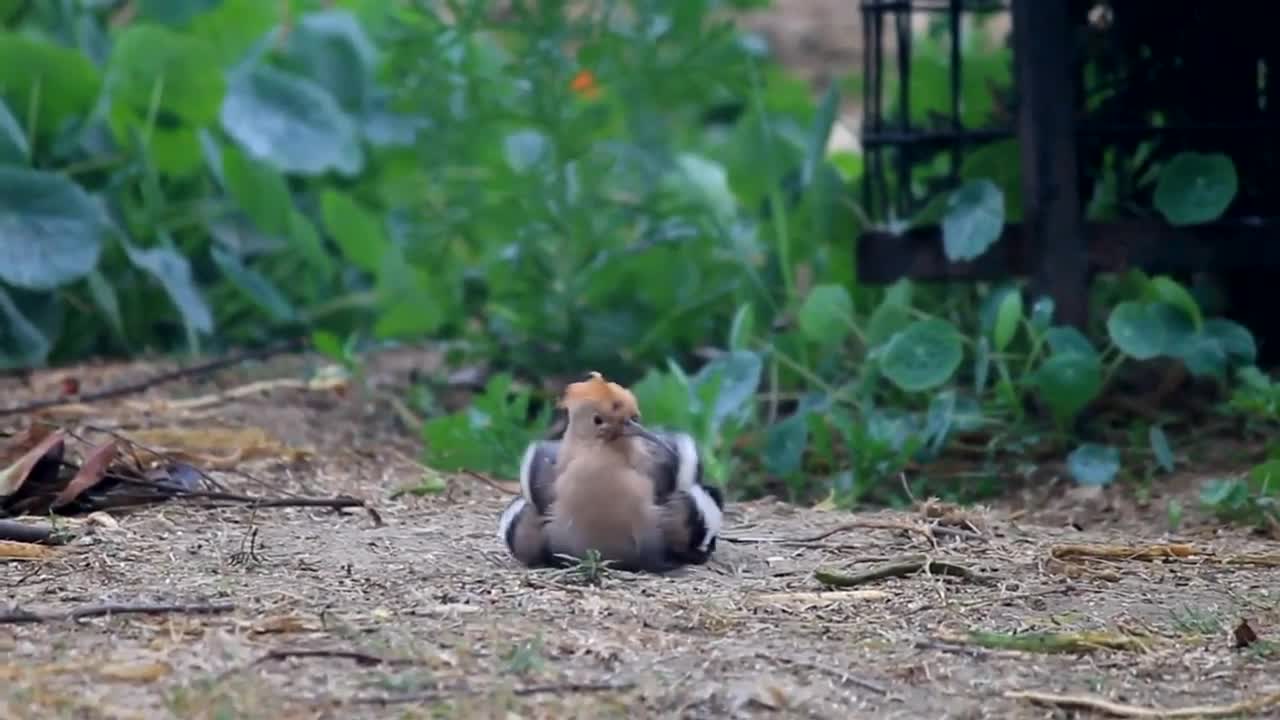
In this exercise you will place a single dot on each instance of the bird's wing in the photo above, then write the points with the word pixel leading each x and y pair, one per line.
pixel 521 528
pixel 674 465
pixel 690 523
pixel 537 474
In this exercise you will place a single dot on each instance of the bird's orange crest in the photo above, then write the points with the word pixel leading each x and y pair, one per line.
pixel 606 394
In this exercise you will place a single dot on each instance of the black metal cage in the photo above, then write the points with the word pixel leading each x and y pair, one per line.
pixel 1099 94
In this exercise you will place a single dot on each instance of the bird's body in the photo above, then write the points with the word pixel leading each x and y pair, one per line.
pixel 633 495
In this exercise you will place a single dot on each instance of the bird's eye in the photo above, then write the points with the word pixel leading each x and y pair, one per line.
pixel 597 419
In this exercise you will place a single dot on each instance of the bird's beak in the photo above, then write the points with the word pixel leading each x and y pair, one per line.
pixel 635 429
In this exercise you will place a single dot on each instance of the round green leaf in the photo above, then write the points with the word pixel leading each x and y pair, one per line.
pixel 64 81
pixel 1146 330
pixel 291 122
pixel 526 149
pixel 174 273
pixel 923 356
pixel 1042 314
pixel 974 219
pixel 1166 289
pixel 1203 354
pixel 1236 339
pixel 1094 465
pixel 1064 339
pixel 1195 188
pixel 738 376
pixel 1008 317
pixel 1068 382
pixel 51 231
pixel 825 316
pixel 151 62
pixel 331 47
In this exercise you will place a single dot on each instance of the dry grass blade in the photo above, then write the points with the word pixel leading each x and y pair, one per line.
pixel 1102 705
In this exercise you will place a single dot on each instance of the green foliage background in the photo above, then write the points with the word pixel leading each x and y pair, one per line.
pixel 610 185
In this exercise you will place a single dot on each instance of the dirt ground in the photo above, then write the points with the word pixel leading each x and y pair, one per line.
pixel 424 614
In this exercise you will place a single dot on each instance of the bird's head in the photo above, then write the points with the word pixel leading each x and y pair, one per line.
pixel 602 410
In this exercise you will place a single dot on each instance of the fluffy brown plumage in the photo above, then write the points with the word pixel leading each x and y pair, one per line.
pixel 633 495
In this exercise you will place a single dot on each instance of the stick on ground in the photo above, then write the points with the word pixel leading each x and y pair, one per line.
pixel 18 616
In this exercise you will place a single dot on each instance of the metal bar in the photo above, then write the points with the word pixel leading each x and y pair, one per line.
pixel 957 77
pixel 1044 68
pixel 1154 246
pixel 902 22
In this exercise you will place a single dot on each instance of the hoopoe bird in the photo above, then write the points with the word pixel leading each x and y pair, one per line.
pixel 634 495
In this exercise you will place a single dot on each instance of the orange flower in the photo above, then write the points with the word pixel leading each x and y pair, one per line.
pixel 584 83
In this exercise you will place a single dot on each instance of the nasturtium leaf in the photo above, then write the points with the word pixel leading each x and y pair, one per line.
pixel 63 82
pixel 1160 448
pixel 1203 354
pixel 236 28
pixel 151 63
pixel 260 191
pixel 1195 188
pixel 1064 339
pixel 665 399
pixel 1168 290
pixel 1223 492
pixel 290 122
pixel 332 48
pixel 173 271
pixel 1067 382
pixel 1042 314
pixel 1236 339
pixel 1008 318
pixel 357 232
pixel 891 315
pixel 826 315
pixel 14 148
pixel 737 374
pixel 525 150
pixel 1094 465
pixel 973 221
pixel 1147 330
pixel 923 356
pixel 22 345
pixel 51 231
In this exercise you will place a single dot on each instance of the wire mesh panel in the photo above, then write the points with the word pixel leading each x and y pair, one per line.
pixel 916 108
pixel 1075 114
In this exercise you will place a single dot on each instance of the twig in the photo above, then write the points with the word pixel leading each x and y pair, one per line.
pixel 141 386
pixel 1095 703
pixel 1049 642
pixel 360 658
pixel 925 530
pixel 527 690
pixel 490 482
pixel 902 568
pixel 17 616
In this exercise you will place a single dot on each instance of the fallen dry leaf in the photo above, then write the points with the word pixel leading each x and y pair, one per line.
pixel 216 448
pixel 102 519
pixel 14 475
pixel 284 624
pixel 90 473
pixel 1244 634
